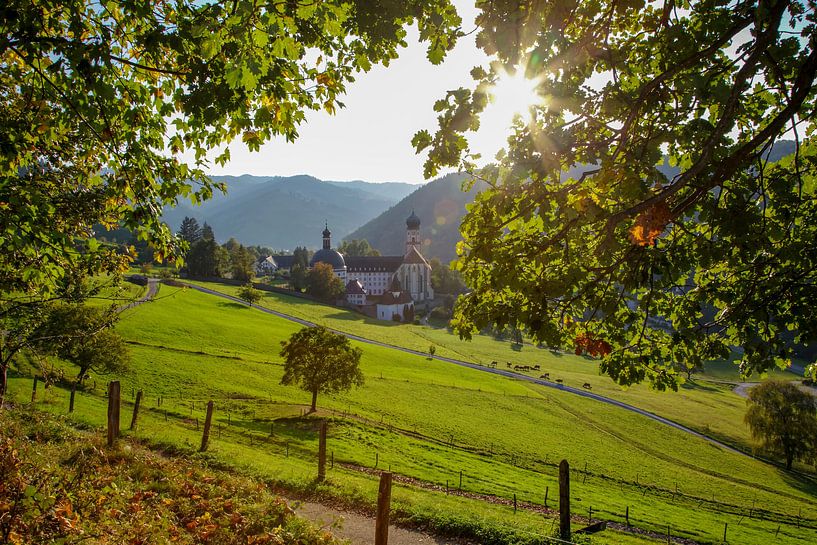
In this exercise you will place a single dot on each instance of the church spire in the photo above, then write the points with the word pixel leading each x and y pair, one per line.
pixel 412 232
pixel 327 237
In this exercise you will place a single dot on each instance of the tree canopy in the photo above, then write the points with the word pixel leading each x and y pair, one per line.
pixel 320 361
pixel 783 418
pixel 322 283
pixel 357 247
pixel 100 100
pixel 82 335
pixel 637 212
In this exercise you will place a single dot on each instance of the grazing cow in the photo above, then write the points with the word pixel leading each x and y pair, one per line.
pixel 559 380
pixel 493 364
pixel 536 367
pixel 587 386
pixel 509 365
pixel 545 376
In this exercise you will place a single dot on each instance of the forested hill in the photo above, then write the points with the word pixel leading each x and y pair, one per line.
pixel 440 205
pixel 285 212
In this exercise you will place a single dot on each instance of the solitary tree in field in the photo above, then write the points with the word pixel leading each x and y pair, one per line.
pixel 320 361
pixel 783 418
pixel 249 294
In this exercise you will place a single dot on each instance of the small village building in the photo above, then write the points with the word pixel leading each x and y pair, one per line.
pixel 355 294
pixel 266 266
pixel 396 304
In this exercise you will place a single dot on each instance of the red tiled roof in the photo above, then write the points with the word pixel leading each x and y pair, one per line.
pixel 354 287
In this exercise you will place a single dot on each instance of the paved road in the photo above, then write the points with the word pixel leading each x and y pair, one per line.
pixel 153 287
pixel 501 372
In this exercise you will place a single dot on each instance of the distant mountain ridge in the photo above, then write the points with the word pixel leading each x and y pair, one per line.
pixel 285 212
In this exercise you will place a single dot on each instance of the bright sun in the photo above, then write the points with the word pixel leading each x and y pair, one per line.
pixel 513 94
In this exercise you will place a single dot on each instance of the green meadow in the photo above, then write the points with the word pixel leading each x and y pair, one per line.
pixel 430 422
pixel 705 404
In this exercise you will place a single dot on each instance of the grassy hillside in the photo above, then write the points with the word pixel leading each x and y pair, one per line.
pixel 704 405
pixel 428 421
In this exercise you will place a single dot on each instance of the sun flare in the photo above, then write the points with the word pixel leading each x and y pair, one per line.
pixel 515 94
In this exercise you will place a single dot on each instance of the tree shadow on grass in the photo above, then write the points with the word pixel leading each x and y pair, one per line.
pixel 231 304
pixel 804 483
pixel 692 384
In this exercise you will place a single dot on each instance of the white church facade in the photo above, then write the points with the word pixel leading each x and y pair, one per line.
pixel 381 280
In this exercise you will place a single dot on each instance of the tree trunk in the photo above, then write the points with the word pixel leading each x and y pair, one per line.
pixel 3 383
pixel 314 400
pixel 789 459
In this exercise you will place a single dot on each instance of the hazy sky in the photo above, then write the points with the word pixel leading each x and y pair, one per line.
pixel 370 138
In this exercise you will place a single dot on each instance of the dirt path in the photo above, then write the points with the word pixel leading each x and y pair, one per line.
pixel 359 529
pixel 501 372
pixel 742 389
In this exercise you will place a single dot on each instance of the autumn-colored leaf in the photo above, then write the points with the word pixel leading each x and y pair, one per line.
pixel 650 224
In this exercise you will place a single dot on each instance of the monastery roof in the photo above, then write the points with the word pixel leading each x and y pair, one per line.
pixel 401 298
pixel 369 263
pixel 414 256
pixel 354 287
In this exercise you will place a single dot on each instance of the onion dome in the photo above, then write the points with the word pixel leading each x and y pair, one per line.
pixel 329 256
pixel 413 222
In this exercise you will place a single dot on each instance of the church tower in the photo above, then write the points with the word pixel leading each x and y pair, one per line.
pixel 412 232
pixel 327 238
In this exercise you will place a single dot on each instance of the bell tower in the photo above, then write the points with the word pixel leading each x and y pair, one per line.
pixel 412 232
pixel 327 238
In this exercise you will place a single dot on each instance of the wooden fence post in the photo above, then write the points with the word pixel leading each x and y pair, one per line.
pixel 34 391
pixel 113 412
pixel 322 452
pixel 208 420
pixel 627 515
pixel 725 525
pixel 381 531
pixel 71 399
pixel 136 410
pixel 460 488
pixel 564 500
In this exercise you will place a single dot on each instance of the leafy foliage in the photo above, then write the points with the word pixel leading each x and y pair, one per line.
pixel 356 247
pixel 322 283
pixel 249 294
pixel 242 263
pixel 83 336
pixel 783 418
pixel 60 486
pixel 99 102
pixel 585 235
pixel 207 259
pixel 444 280
pixel 320 361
